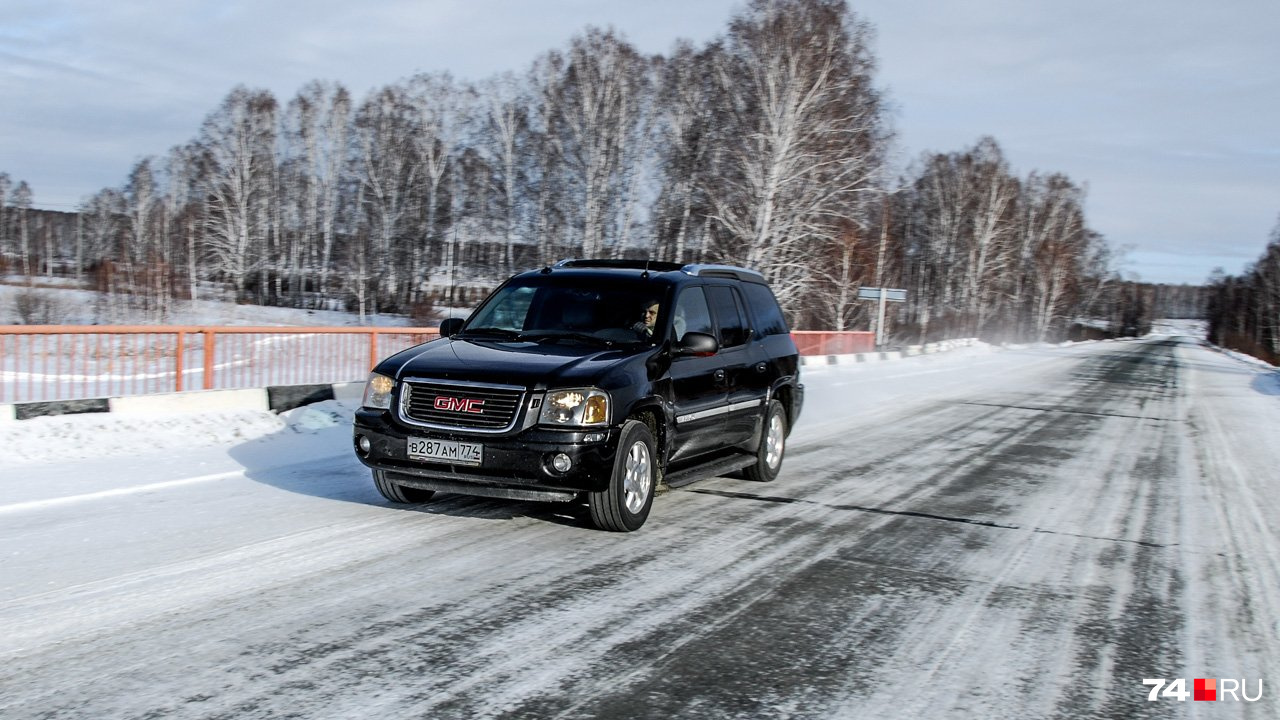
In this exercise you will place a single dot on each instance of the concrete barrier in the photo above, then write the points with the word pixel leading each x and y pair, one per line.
pixel 26 411
pixel 196 401
pixel 887 355
pixel 278 398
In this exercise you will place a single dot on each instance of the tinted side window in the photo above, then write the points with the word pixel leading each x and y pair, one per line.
pixel 728 309
pixel 691 313
pixel 765 309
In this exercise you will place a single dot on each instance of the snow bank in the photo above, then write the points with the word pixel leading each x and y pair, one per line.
pixel 75 437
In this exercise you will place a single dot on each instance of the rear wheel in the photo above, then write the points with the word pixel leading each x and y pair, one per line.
pixel 397 493
pixel 773 443
pixel 624 505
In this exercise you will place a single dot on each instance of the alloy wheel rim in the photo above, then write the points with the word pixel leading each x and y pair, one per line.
pixel 774 443
pixel 638 479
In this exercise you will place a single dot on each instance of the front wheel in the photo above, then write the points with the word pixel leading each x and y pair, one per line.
pixel 773 442
pixel 397 493
pixel 624 505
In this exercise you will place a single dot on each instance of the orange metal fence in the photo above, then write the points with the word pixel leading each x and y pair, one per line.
pixel 70 362
pixel 833 342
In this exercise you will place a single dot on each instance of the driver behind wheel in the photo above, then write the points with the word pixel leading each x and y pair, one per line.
pixel 648 318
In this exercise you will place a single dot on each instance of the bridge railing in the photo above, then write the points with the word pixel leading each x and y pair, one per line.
pixel 833 342
pixel 72 362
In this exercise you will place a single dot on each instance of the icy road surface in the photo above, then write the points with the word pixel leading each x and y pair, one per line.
pixel 1015 534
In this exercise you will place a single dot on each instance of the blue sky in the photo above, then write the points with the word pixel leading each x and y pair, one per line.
pixel 1168 112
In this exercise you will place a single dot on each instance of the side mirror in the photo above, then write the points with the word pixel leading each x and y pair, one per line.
pixel 450 327
pixel 697 344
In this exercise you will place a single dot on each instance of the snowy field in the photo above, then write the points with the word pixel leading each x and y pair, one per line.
pixel 70 306
pixel 995 533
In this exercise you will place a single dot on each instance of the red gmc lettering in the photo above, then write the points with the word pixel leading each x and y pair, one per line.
pixel 455 404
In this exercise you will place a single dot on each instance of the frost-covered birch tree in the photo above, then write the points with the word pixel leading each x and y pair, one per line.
pixel 436 115
pixel 504 138
pixel 317 122
pixel 1057 239
pixel 988 260
pixel 238 144
pixel 20 204
pixel 181 213
pixel 803 137
pixel 387 169
pixel 597 109
pixel 686 106
pixel 143 256
pixel 6 251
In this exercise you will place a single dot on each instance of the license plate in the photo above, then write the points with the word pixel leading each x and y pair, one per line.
pixel 445 451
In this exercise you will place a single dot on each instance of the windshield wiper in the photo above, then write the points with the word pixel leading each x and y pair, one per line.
pixel 569 335
pixel 503 333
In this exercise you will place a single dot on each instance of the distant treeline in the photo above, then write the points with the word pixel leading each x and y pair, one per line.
pixel 1244 311
pixel 767 147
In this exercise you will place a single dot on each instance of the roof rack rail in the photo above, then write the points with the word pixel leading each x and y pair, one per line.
pixel 732 271
pixel 650 265
pixel 695 269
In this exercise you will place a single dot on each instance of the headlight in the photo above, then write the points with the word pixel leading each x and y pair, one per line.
pixel 579 406
pixel 377 392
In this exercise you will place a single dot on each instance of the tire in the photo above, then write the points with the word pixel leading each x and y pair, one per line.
pixel 397 493
pixel 773 444
pixel 624 505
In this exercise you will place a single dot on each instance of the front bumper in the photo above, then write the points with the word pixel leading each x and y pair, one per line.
pixel 516 464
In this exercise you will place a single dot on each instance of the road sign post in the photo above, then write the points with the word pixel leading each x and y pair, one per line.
pixel 883 296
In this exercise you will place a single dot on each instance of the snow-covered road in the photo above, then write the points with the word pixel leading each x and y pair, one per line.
pixel 1014 534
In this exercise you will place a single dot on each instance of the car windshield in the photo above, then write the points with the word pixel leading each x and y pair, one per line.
pixel 567 309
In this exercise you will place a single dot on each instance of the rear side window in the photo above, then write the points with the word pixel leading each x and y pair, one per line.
pixel 729 314
pixel 765 309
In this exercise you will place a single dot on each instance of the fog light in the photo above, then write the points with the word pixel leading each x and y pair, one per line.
pixel 363 443
pixel 561 463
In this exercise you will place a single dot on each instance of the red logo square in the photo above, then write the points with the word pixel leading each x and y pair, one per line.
pixel 1206 689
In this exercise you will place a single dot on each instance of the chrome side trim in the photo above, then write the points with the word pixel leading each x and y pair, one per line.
pixel 722 410
pixel 702 414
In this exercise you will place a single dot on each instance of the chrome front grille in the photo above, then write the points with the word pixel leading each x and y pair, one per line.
pixel 460 406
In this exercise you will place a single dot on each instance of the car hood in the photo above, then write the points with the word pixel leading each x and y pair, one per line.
pixel 528 364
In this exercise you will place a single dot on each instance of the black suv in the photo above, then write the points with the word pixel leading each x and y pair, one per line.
pixel 590 377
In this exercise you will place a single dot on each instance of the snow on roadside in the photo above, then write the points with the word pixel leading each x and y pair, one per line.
pixel 102 435
pixel 832 391
pixel 73 437
pixel 107 435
